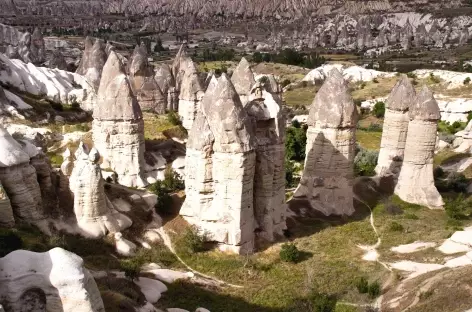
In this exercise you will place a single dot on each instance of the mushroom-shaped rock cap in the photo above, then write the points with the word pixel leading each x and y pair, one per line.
pixel 402 95
pixel 425 107
pixel 191 83
pixel 228 120
pixel 243 77
pixel 333 106
pixel 115 100
pixel 11 152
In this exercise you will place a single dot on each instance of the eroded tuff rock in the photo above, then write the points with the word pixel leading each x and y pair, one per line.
pixel 327 179
pixel 19 179
pixel 220 167
pixel 166 82
pixel 395 128
pixel 243 80
pixel 264 108
pixel 50 281
pixel 30 48
pixel 93 60
pixel 143 84
pixel 93 210
pixel 191 93
pixel 45 177
pixel 65 196
pixel 57 61
pixel 6 211
pixel 118 128
pixel 416 181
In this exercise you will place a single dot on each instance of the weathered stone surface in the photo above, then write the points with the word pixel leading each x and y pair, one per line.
pixel 143 84
pixel 30 48
pixel 50 281
pixel 416 181
pixel 37 48
pixel 94 212
pixel 191 93
pixel 19 179
pixel 65 196
pixel 220 164
pixel 118 129
pixel 166 82
pixel 93 61
pixel 6 211
pixel 395 128
pixel 57 61
pixel 264 107
pixel 327 179
pixel 243 80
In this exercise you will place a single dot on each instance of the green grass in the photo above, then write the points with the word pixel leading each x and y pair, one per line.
pixel 369 140
pixel 448 156
pixel 300 96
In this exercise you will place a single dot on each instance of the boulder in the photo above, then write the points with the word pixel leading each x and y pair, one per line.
pixel 50 281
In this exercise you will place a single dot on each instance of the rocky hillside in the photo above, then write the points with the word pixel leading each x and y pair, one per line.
pixel 280 9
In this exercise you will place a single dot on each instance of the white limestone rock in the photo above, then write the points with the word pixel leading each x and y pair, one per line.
pixel 395 128
pixel 327 179
pixel 93 61
pixel 51 281
pixel 6 211
pixel 191 93
pixel 118 127
pixel 166 82
pixel 416 181
pixel 94 212
pixel 220 164
pixel 19 179
pixel 123 246
pixel 243 80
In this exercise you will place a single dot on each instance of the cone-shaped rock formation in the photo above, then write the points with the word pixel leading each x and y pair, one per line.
pixel 191 93
pixel 243 80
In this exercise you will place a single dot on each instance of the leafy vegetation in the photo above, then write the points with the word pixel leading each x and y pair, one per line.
pixel 172 183
pixel 295 141
pixel 290 57
pixel 446 127
pixel 395 227
pixel 379 110
pixel 365 162
pixel 193 240
pixel 131 268
pixel 467 81
pixel 458 208
pixel 362 285
pixel 289 253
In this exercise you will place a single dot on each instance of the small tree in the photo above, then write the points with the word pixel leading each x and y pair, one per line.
pixel 379 110
pixel 467 81
pixel 289 253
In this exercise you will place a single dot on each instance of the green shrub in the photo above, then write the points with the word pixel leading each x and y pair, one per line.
pixel 374 290
pixel 467 81
pixel 395 227
pixel 193 240
pixel 132 268
pixel 362 285
pixel 433 78
pixel 358 102
pixel 9 241
pixel 446 127
pixel 438 172
pixel 289 253
pixel 174 118
pixel 172 181
pixel 469 117
pixel 375 80
pixel 379 110
pixel 164 203
pixel 290 180
pixel 411 75
pixel 322 302
pixel 458 208
pixel 295 143
pixel 374 128
pixel 365 162
pixel 455 182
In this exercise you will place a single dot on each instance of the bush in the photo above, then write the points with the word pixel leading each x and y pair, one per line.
pixel 295 142
pixel 132 269
pixel 365 162
pixel 455 182
pixel 174 118
pixel 411 75
pixel 289 253
pixel 362 285
pixel 164 200
pixel 446 127
pixel 9 241
pixel 374 128
pixel 374 290
pixel 467 81
pixel 290 181
pixel 285 83
pixel 433 78
pixel 358 102
pixel 172 181
pixel 193 240
pixel 458 208
pixel 375 80
pixel 395 227
pixel 438 173
pixel 379 110
pixel 322 303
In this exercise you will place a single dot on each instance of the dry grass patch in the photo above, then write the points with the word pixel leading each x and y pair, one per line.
pixel 369 140
pixel 301 96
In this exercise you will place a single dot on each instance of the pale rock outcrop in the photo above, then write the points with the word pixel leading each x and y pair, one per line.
pixel 143 84
pixel 464 139
pixel 50 281
pixel 65 196
pixel 118 128
pixel 94 212
pixel 93 61
pixel 416 181
pixel 179 66
pixel 123 246
pixel 243 80
pixel 6 211
pixel 166 82
pixel 264 108
pixel 191 93
pixel 57 61
pixel 220 166
pixel 38 49
pixel 395 128
pixel 44 176
pixel 19 179
pixel 327 179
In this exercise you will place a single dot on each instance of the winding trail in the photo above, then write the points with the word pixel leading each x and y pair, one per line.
pixel 210 280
